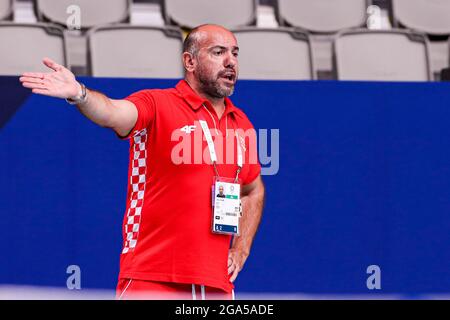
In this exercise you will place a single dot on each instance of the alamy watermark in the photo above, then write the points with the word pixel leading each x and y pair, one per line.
pixel 373 282
pixel 73 21
pixel 374 20
pixel 73 282
pixel 263 144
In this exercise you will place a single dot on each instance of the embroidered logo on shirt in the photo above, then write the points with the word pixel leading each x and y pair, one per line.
pixel 188 129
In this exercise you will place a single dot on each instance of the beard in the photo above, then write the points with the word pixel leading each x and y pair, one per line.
pixel 211 86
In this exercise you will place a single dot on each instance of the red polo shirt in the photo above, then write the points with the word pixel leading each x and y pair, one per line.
pixel 167 225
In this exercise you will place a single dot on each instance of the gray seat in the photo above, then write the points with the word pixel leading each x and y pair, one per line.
pixel 382 55
pixel 25 45
pixel 428 16
pixel 135 52
pixel 93 13
pixel 6 9
pixel 275 54
pixel 230 13
pixel 322 16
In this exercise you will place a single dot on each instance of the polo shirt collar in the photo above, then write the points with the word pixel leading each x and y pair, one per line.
pixel 195 101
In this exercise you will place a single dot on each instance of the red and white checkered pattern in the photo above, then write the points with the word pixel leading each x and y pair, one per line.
pixel 137 183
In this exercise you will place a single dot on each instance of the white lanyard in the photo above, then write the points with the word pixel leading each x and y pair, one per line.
pixel 212 150
pixel 239 151
pixel 207 133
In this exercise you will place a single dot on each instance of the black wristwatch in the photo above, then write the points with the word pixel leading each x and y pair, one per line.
pixel 82 98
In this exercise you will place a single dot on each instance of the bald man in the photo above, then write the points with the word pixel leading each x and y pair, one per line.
pixel 170 250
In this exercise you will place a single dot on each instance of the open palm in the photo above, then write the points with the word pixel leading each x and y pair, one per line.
pixel 59 83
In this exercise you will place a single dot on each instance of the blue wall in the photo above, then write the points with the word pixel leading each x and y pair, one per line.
pixel 364 179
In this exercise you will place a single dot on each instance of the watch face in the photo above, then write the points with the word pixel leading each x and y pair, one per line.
pixel 80 99
pixel 83 91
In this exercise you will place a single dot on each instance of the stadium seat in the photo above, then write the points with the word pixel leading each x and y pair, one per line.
pixel 428 16
pixel 6 9
pixel 144 52
pixel 92 13
pixel 275 54
pixel 230 13
pixel 381 55
pixel 25 45
pixel 322 16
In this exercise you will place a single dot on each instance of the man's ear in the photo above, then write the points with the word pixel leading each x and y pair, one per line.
pixel 188 62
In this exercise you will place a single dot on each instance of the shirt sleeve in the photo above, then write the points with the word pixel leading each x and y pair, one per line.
pixel 145 105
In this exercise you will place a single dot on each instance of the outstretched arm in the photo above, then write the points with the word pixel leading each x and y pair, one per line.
pixel 119 115
pixel 252 205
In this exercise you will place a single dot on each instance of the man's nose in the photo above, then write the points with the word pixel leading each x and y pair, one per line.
pixel 230 61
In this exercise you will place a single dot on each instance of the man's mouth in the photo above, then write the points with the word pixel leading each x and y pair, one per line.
pixel 230 76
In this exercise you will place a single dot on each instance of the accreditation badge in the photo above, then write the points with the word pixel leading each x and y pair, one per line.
pixel 226 200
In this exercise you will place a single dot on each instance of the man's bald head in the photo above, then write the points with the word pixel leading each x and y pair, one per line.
pixel 210 55
pixel 196 36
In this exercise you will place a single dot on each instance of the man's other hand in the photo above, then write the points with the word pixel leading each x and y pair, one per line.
pixel 58 83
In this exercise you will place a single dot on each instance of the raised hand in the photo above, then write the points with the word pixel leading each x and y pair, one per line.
pixel 58 83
